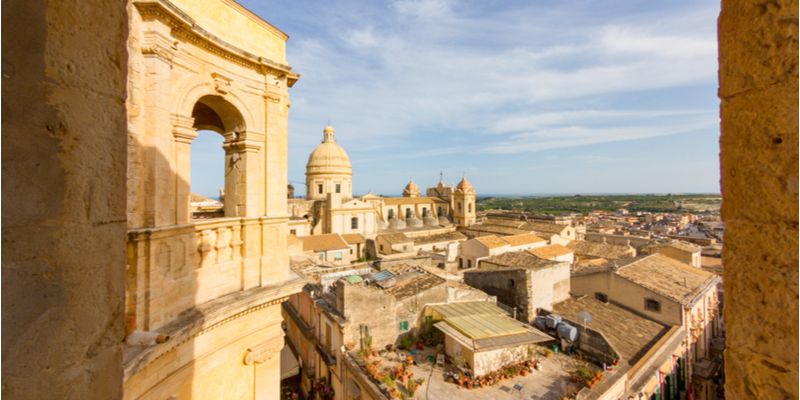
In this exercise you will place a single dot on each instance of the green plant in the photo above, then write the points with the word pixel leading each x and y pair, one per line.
pixel 389 381
pixel 584 373
pixel 612 353
pixel 406 342
pixel 412 387
pixel 367 340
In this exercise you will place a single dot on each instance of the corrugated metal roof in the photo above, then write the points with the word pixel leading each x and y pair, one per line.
pixel 468 308
pixel 381 276
pixel 528 335
pixel 484 326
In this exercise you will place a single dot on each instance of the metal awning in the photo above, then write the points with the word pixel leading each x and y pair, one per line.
pixel 352 388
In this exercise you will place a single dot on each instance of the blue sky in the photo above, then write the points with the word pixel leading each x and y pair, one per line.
pixel 523 97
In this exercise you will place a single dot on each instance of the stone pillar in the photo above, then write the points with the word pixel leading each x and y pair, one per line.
pixel 276 105
pixel 64 177
pixel 242 173
pixel 758 56
pixel 184 133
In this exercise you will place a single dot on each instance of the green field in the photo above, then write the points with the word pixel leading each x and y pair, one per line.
pixel 667 203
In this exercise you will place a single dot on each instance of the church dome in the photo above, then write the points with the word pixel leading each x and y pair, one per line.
pixel 411 190
pixel 395 223
pixel 464 185
pixel 431 221
pixel 329 156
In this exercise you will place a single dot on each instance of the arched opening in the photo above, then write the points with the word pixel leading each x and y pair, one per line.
pixel 408 213
pixel 424 212
pixel 439 212
pixel 469 207
pixel 390 214
pixel 216 166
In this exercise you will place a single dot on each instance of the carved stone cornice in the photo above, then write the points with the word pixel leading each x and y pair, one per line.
pixel 186 28
pixel 264 351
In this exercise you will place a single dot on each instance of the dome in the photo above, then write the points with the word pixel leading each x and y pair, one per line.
pixel 430 221
pixel 445 221
pixel 413 222
pixel 464 185
pixel 395 223
pixel 411 190
pixel 381 225
pixel 329 156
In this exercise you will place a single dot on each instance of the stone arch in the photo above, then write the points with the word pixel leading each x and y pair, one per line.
pixel 204 106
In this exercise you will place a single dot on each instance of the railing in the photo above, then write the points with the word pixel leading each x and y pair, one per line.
pixel 510 310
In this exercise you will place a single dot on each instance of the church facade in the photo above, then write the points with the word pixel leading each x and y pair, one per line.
pixel 329 206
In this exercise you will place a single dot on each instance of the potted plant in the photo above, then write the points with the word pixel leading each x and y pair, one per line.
pixel 412 388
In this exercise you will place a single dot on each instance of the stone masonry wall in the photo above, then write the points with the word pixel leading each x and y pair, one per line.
pixel 63 221
pixel 758 55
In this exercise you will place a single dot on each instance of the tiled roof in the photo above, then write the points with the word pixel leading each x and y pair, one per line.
pixel 397 238
pixel 520 240
pixel 551 251
pixel 503 222
pixel 353 238
pixel 196 198
pixel 292 239
pixel 518 259
pixel 503 230
pixel 630 334
pixel 666 276
pixel 442 237
pixel 327 242
pixel 491 242
pixel 600 250
pixel 542 227
pixel 676 244
pixel 393 201
pixel 411 287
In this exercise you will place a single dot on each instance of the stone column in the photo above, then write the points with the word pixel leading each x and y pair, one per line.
pixel 276 105
pixel 242 169
pixel 758 58
pixel 184 133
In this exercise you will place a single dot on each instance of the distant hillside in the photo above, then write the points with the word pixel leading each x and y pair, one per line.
pixel 674 203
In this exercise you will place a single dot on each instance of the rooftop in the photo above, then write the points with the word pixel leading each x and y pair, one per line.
pixel 544 227
pixel 503 230
pixel 550 251
pixel 392 201
pixel 442 237
pixel 327 242
pixel 491 242
pixel 600 250
pixel 518 259
pixel 396 238
pixel 666 276
pixel 630 334
pixel 676 244
pixel 354 238
pixel 521 240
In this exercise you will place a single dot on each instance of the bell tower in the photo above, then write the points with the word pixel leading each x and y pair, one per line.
pixel 463 203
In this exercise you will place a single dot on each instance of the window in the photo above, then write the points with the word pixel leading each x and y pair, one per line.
pixel 293 231
pixel 404 326
pixel 381 247
pixel 428 319
pixel 652 305
pixel 469 263
pixel 354 223
pixel 338 188
pixel 351 252
pixel 469 207
pixel 322 256
pixel 319 188
pixel 511 282
pixel 459 207
pixel 439 211
pixel 460 263
pixel 391 214
pixel 337 256
pixel 408 213
pixel 405 247
pixel 601 296
pixel 424 212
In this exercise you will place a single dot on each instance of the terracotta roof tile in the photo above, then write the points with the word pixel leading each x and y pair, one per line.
pixel 397 238
pixel 442 237
pixel 393 201
pixel 491 242
pixel 666 276
pixel 520 240
pixel 292 239
pixel 551 251
pixel 517 259
pixel 354 238
pixel 600 250
pixel 327 242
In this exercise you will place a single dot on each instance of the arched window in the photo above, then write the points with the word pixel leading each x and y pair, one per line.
pixel 511 282
pixel 424 212
pixel 469 207
pixel 390 214
pixel 354 223
pixel 207 178
pixel 439 212
pixel 408 213
pixel 459 207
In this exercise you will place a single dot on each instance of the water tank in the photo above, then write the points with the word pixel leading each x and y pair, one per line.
pixel 567 332
pixel 540 322
pixel 553 321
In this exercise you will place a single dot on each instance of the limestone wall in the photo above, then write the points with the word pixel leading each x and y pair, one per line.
pixel 63 220
pixel 758 54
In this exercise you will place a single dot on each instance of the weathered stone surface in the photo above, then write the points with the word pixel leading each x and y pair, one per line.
pixel 759 174
pixel 63 170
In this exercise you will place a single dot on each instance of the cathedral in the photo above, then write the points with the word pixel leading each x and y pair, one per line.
pixel 329 206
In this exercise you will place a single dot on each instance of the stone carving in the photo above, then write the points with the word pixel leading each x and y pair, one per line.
pixel 263 352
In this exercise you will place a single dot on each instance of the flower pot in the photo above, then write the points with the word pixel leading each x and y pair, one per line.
pixel 404 378
pixel 615 361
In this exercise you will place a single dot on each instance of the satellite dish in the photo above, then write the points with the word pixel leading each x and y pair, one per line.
pixel 584 317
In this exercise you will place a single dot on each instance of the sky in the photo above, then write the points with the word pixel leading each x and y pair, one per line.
pixel 528 97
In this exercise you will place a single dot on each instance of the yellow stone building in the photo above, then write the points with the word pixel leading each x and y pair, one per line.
pixel 214 286
pixel 329 206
